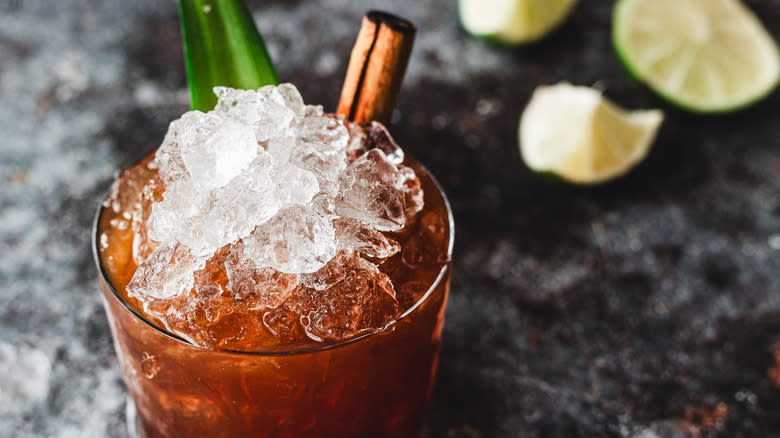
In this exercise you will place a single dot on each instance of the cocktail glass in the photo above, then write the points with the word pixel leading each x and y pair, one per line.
pixel 375 385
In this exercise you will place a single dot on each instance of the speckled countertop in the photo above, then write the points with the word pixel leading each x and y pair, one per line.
pixel 644 308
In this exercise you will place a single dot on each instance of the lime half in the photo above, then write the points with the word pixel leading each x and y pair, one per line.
pixel 708 56
pixel 580 136
pixel 513 22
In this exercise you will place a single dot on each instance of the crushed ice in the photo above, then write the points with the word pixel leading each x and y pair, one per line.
pixel 287 186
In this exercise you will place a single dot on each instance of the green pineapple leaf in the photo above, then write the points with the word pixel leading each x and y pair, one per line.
pixel 222 46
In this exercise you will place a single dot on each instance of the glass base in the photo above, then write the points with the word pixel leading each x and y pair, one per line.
pixel 132 421
pixel 131 418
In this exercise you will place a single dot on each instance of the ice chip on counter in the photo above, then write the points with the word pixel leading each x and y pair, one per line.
pixel 24 378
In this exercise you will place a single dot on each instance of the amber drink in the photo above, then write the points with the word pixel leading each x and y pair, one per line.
pixel 275 271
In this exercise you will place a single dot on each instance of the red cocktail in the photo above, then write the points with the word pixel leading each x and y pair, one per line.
pixel 247 335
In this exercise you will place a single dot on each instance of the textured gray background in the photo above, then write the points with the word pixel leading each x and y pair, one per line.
pixel 629 310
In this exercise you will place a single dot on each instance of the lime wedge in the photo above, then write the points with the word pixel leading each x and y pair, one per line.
pixel 580 136
pixel 706 56
pixel 513 22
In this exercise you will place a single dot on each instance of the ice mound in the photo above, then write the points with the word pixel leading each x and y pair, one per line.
pixel 272 206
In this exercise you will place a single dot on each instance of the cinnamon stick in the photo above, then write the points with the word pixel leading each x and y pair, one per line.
pixel 376 68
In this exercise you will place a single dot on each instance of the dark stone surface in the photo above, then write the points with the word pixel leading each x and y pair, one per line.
pixel 647 307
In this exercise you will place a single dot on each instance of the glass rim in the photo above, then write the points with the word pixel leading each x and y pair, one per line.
pixel 103 277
